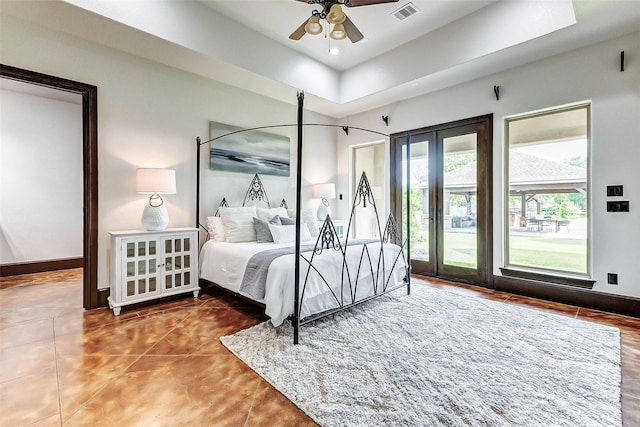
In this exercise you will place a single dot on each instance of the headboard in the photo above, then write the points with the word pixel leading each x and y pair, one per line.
pixel 255 193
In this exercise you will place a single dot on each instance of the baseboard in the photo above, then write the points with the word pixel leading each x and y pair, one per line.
pixel 103 294
pixel 40 266
pixel 627 306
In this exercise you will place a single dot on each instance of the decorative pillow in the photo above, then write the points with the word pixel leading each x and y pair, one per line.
pixel 310 219
pixel 263 234
pixel 287 221
pixel 238 224
pixel 291 213
pixel 215 228
pixel 287 233
pixel 268 214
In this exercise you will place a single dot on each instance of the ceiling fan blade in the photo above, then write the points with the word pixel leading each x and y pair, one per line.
pixel 299 32
pixel 352 31
pixel 354 3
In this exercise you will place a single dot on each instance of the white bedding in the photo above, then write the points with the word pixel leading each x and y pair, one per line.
pixel 224 263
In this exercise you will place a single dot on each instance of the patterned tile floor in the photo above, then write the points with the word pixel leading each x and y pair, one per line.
pixel 163 364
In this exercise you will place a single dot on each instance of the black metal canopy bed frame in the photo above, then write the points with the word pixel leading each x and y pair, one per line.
pixel 375 268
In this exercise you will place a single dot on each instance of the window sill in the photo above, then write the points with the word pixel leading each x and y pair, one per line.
pixel 549 278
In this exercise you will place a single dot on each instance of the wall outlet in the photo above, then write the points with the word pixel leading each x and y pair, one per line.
pixel 614 190
pixel 612 278
pixel 621 206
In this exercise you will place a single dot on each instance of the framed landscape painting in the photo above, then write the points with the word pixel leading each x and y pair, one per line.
pixel 252 151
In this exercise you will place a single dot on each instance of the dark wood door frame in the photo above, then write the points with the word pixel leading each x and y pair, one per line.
pixel 485 179
pixel 92 297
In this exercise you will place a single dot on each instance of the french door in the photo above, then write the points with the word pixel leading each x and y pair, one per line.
pixel 441 193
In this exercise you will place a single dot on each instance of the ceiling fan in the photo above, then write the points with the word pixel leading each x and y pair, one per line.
pixel 332 12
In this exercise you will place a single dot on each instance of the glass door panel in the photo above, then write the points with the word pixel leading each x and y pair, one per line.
pixel 416 218
pixel 177 262
pixel 419 210
pixel 460 207
pixel 458 211
pixel 140 264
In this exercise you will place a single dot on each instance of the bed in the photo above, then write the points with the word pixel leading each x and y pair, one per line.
pixel 330 280
pixel 306 272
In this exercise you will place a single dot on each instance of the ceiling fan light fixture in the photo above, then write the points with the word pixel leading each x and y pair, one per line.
pixel 338 32
pixel 336 15
pixel 313 26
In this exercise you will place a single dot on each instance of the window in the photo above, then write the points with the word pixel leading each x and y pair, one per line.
pixel 547 213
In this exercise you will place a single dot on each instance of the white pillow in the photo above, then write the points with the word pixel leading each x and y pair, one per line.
pixel 266 214
pixel 291 213
pixel 287 233
pixel 238 224
pixel 216 228
pixel 310 219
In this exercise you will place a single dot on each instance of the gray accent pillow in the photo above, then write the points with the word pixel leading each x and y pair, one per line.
pixel 263 234
pixel 287 221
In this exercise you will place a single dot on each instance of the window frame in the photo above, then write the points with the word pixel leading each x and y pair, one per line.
pixel 560 277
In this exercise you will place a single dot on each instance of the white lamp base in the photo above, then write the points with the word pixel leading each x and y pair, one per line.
pixel 323 210
pixel 155 218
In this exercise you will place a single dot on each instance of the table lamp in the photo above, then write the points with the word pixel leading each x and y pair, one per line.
pixel 155 182
pixel 324 192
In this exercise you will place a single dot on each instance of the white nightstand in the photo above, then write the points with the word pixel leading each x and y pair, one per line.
pixel 151 264
pixel 339 224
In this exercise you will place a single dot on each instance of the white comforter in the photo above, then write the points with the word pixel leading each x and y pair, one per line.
pixel 224 264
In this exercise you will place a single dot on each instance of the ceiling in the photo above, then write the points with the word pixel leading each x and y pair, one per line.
pixel 381 29
pixel 245 43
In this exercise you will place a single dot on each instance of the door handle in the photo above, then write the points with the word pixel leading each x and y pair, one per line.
pixel 439 216
pixel 431 215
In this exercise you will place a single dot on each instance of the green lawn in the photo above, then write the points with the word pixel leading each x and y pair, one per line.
pixel 551 253
pixel 460 249
pixel 554 253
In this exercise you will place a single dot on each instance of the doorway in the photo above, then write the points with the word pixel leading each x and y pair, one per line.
pixel 441 191
pixel 92 296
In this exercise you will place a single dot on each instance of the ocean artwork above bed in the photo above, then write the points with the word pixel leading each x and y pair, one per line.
pixel 253 151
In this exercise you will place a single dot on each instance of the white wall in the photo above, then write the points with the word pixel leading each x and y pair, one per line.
pixel 591 73
pixel 149 116
pixel 40 178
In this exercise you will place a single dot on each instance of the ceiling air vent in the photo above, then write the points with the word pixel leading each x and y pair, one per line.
pixel 405 11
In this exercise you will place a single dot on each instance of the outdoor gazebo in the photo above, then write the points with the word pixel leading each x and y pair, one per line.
pixel 529 176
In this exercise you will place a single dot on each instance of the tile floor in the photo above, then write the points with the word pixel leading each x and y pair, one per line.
pixel 163 364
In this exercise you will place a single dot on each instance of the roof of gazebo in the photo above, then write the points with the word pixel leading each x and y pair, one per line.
pixel 527 174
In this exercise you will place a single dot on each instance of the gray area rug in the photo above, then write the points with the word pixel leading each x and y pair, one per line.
pixel 439 358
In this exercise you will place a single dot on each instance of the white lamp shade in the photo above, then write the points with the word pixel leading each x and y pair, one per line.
pixel 155 181
pixel 324 191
